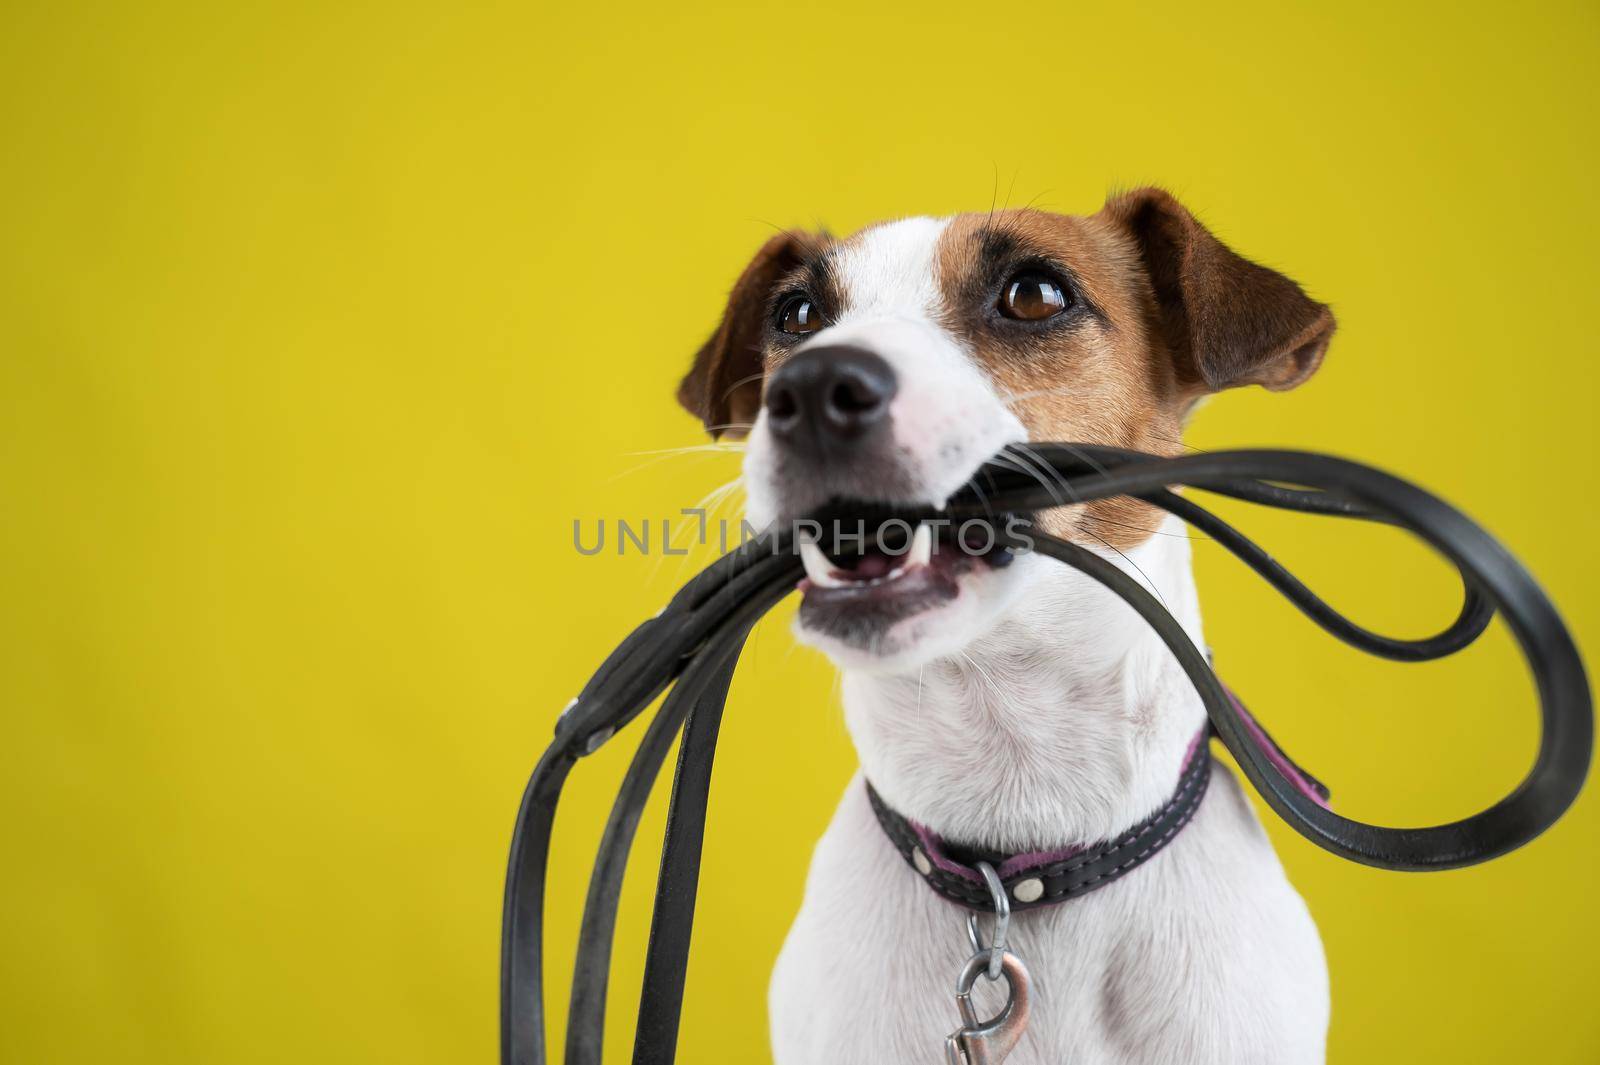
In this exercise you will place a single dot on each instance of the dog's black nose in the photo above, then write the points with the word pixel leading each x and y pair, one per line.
pixel 829 395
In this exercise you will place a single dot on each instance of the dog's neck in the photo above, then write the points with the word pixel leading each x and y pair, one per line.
pixel 1066 723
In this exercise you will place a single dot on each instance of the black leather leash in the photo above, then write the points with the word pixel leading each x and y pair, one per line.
pixel 695 642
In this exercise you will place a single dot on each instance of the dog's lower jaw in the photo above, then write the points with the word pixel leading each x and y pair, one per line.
pixel 1068 721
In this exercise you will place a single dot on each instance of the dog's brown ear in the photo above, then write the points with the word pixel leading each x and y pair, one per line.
pixel 723 387
pixel 1227 320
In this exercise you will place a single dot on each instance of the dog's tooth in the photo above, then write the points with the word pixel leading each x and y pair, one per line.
pixel 921 552
pixel 818 568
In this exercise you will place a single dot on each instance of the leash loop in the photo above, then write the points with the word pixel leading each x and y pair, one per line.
pixel 989 1042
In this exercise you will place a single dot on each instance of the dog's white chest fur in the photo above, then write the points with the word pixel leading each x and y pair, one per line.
pixel 1204 955
pixel 1068 722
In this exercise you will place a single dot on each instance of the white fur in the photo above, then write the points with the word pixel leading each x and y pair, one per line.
pixel 1034 710
pixel 1068 721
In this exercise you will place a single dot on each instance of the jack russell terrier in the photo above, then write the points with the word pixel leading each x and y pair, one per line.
pixel 1009 706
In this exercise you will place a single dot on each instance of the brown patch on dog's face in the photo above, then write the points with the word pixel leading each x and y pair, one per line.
pixel 723 386
pixel 1090 371
pixel 1147 312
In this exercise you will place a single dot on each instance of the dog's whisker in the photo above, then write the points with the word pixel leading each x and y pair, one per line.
pixel 655 458
pixel 743 381
pixel 712 502
pixel 1010 463
pixel 1018 397
pixel 990 683
pixel 708 506
pixel 711 505
pixel 692 449
pixel 1131 527
pixel 1055 474
pixel 1021 456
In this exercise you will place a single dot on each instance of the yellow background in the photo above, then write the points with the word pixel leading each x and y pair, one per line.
pixel 319 324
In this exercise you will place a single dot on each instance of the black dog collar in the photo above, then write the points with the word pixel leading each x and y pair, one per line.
pixel 1042 878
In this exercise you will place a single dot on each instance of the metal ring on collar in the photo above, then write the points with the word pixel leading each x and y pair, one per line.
pixel 1002 921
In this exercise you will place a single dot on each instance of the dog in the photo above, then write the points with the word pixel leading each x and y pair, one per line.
pixel 1000 700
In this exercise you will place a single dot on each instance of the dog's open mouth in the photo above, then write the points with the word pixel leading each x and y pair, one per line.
pixel 862 577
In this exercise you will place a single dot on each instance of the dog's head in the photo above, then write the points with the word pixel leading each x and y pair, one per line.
pixel 887 367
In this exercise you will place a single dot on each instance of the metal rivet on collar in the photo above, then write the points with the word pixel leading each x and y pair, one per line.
pixel 1029 890
pixel 920 860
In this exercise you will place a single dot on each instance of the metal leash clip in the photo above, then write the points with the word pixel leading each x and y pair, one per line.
pixel 988 1042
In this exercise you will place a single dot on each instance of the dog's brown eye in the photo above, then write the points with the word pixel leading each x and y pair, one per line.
pixel 1032 298
pixel 800 315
